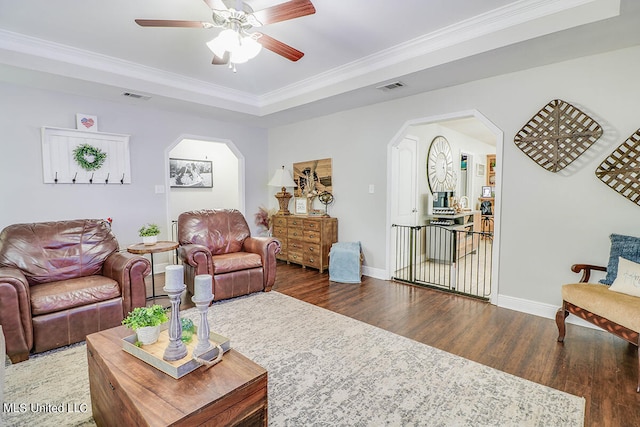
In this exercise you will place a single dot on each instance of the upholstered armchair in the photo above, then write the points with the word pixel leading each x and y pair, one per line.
pixel 60 281
pixel 218 242
pixel 613 304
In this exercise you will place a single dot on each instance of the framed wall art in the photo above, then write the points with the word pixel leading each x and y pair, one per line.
pixel 301 206
pixel 86 122
pixel 186 173
pixel 312 177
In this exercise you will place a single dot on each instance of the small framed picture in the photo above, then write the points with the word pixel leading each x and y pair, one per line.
pixel 187 173
pixel 301 206
pixel 86 122
pixel 486 191
pixel 480 169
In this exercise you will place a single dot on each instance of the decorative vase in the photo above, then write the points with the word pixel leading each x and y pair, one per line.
pixel 149 240
pixel 148 334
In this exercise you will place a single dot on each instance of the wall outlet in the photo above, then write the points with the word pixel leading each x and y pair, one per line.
pixel 372 188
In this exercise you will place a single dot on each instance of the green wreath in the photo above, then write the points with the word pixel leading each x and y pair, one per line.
pixel 83 150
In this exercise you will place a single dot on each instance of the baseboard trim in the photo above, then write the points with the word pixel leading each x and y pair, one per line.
pixel 376 273
pixel 540 309
pixel 547 311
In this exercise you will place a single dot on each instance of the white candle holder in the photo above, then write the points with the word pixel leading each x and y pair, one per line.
pixel 204 345
pixel 176 349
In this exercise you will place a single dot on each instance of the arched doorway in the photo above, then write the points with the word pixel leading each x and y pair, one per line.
pixel 227 186
pixel 424 129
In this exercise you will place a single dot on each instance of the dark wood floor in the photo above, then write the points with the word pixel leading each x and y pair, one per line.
pixel 593 364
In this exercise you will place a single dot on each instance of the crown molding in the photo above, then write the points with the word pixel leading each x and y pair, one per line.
pixel 47 50
pixel 475 35
pixel 472 29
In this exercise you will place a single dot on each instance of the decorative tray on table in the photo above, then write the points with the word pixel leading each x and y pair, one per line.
pixel 152 353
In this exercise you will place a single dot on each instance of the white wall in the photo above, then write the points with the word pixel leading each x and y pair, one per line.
pixel 225 191
pixel 24 197
pixel 549 221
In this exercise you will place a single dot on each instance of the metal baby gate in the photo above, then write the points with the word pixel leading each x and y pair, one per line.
pixel 440 257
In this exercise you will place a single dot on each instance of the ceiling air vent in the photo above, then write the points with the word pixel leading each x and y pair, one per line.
pixel 391 86
pixel 136 96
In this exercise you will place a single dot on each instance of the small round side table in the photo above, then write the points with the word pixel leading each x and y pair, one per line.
pixel 160 246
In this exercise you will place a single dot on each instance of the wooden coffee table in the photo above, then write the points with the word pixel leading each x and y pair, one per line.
pixel 127 391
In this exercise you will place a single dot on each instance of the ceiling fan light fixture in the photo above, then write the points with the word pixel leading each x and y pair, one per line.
pixel 216 47
pixel 229 39
pixel 241 48
pixel 234 39
pixel 250 47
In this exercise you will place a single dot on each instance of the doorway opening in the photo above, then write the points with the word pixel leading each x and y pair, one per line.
pixel 227 186
pixel 472 138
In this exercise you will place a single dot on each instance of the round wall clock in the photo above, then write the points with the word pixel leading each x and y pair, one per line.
pixel 440 173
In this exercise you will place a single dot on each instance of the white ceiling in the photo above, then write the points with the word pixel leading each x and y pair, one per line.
pixel 351 47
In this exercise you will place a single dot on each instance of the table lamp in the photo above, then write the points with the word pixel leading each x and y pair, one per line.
pixel 282 178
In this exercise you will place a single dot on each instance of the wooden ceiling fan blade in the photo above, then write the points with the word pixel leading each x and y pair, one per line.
pixel 285 11
pixel 280 48
pixel 216 4
pixel 221 61
pixel 172 23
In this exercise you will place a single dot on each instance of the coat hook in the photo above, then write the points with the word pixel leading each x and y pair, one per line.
pixel 91 179
pixel 56 178
pixel 122 180
pixel 106 181
pixel 74 177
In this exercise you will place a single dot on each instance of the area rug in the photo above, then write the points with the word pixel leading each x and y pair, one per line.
pixel 324 369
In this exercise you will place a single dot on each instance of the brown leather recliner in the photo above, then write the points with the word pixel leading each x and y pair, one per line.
pixel 60 281
pixel 218 242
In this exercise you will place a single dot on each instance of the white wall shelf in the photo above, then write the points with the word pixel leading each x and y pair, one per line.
pixel 60 167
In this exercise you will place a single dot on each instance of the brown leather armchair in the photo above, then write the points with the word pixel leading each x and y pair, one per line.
pixel 218 242
pixel 60 281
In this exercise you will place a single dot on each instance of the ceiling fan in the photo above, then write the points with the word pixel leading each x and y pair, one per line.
pixel 235 45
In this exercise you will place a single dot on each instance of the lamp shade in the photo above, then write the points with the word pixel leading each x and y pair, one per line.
pixel 282 178
pixel 241 46
pixel 216 47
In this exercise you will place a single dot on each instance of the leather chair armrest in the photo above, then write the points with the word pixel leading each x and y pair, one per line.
pixel 129 271
pixel 195 255
pixel 586 270
pixel 15 313
pixel 196 260
pixel 267 248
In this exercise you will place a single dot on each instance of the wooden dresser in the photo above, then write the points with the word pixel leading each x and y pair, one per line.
pixel 305 240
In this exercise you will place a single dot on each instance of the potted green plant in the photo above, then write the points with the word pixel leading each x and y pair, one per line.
pixel 188 329
pixel 149 234
pixel 146 321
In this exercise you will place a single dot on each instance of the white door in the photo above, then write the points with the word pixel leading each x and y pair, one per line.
pixel 404 182
pixel 404 212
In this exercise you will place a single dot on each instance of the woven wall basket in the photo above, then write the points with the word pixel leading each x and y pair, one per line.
pixel 621 170
pixel 557 135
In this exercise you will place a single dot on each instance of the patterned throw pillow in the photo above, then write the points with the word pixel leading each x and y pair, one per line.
pixel 628 279
pixel 627 247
